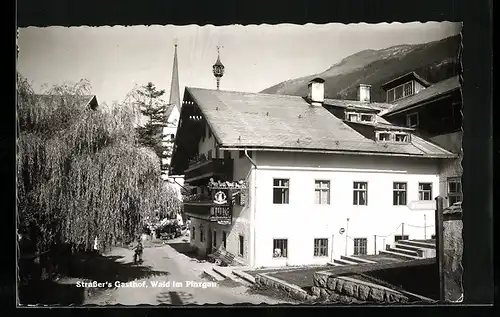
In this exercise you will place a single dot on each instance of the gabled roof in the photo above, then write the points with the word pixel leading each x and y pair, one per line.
pixel 355 104
pixel 268 121
pixel 403 79
pixel 89 101
pixel 439 89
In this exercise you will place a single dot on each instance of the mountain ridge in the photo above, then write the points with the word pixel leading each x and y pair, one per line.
pixel 434 61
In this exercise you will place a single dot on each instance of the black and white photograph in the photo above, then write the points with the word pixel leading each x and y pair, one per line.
pixel 240 164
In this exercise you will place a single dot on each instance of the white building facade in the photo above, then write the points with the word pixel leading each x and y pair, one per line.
pixel 319 185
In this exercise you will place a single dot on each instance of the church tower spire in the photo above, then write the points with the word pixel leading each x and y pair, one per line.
pixel 218 68
pixel 175 96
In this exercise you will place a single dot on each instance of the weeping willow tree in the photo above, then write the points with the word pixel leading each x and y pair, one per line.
pixel 80 171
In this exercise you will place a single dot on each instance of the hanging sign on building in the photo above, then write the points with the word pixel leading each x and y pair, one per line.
pixel 221 209
pixel 221 214
pixel 220 197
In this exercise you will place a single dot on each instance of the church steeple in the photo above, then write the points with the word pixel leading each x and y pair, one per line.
pixel 218 68
pixel 175 96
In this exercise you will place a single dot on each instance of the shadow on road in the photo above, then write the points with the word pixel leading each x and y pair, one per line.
pixel 87 267
pixel 175 298
pixel 186 249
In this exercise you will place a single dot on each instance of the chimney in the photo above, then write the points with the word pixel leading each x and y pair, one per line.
pixel 364 93
pixel 316 91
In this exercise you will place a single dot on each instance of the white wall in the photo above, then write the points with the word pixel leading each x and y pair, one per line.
pixel 301 221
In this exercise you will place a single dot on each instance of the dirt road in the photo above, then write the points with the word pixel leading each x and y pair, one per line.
pixel 181 283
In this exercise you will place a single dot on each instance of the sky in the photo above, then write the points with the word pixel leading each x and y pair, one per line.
pixel 115 59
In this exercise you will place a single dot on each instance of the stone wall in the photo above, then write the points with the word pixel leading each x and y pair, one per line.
pixel 348 290
pixel 265 281
pixel 452 254
pixel 410 278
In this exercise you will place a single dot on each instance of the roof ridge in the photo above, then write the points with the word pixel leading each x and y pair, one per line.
pixel 244 92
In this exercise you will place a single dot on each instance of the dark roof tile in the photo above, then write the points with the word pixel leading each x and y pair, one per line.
pixel 256 120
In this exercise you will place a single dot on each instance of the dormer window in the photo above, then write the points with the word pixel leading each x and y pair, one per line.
pixel 384 136
pixel 401 137
pixel 366 118
pixel 401 91
pixel 353 117
pixel 392 136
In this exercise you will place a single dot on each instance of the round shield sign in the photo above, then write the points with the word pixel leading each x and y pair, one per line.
pixel 342 230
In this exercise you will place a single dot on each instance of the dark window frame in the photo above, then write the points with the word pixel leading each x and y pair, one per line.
pixel 422 192
pixel 357 191
pixel 224 239
pixel 281 244
pixel 399 195
pixel 360 246
pixel 202 234
pixel 241 245
pixel 388 134
pixel 322 191
pixel 214 239
pixel 320 247
pixel 281 192
pixel 457 195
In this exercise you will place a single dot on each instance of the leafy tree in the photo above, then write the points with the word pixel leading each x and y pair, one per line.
pixel 148 99
pixel 81 173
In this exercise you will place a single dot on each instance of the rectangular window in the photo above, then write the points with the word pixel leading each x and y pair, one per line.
pixel 224 239
pixel 193 233
pixel 454 190
pixel 280 248
pixel 209 155
pixel 320 247
pixel 399 92
pixel 214 239
pixel 412 120
pixel 360 246
pixel 401 137
pixel 241 245
pixel 390 95
pixel 281 191
pixel 399 194
pixel 399 237
pixel 322 192
pixel 366 117
pixel 352 117
pixel 408 89
pixel 227 154
pixel 360 193
pixel 202 234
pixel 424 191
pixel 384 136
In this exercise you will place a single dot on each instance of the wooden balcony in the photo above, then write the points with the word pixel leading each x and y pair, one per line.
pixel 220 169
pixel 209 211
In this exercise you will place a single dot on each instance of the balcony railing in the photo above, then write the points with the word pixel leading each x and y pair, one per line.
pixel 217 168
pixel 210 211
